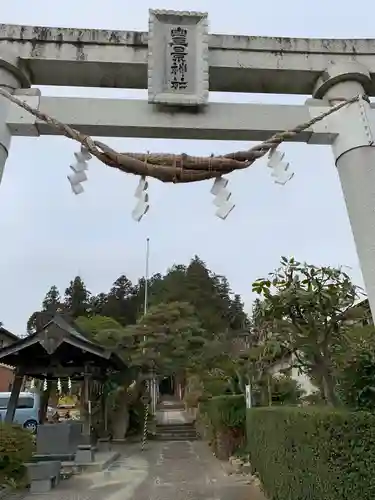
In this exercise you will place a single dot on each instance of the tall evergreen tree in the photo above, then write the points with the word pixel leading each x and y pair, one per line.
pixel 208 293
pixel 204 293
pixel 52 300
pixel 238 318
pixel 122 288
pixel 98 303
pixel 120 303
pixel 168 288
pixel 77 298
pixel 51 305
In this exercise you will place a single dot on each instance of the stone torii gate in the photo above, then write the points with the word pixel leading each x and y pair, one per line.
pixel 327 70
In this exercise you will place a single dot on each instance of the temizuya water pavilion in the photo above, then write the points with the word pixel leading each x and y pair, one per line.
pixel 58 351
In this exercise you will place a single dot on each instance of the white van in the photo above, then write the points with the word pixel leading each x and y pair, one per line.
pixel 27 412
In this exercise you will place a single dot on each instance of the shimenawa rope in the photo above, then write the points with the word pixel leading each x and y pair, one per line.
pixel 176 168
pixel 145 423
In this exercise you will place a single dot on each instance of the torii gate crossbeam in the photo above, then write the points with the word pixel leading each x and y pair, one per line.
pixel 238 63
pixel 136 118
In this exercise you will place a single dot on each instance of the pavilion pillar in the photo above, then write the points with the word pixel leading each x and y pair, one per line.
pixel 86 404
pixel 155 395
pixel 44 400
pixel 104 411
pixel 13 400
pixel 354 151
pixel 11 78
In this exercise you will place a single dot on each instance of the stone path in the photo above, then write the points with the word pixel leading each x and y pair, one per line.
pixel 173 470
pixel 183 470
pixel 164 471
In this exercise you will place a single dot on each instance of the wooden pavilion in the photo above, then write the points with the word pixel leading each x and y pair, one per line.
pixel 58 350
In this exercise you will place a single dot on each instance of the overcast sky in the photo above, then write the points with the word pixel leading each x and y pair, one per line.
pixel 48 235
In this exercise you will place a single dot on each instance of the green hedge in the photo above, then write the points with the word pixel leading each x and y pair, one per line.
pixel 313 454
pixel 226 411
pixel 16 447
pixel 224 418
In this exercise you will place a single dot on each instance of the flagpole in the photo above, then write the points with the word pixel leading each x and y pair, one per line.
pixel 145 305
pixel 152 382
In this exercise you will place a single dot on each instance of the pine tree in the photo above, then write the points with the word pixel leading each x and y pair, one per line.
pixel 168 288
pixel 122 288
pixel 121 304
pixel 224 300
pixel 50 306
pixel 203 293
pixel 98 303
pixel 77 298
pixel 52 300
pixel 238 318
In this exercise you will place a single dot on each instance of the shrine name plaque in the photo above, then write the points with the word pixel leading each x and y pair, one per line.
pixel 178 58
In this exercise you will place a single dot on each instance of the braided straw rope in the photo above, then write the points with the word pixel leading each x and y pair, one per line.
pixel 145 422
pixel 176 168
pixel 145 425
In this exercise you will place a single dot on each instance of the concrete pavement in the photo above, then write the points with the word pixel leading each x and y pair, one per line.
pixel 172 470
pixel 164 471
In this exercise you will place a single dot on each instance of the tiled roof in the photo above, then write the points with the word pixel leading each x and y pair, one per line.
pixel 6 366
pixel 7 333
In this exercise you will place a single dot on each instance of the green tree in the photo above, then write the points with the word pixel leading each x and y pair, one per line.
pixel 283 390
pixel 120 301
pixel 123 389
pixel 98 303
pixel 203 293
pixel 77 298
pixel 189 328
pixel 169 338
pixel 101 329
pixel 51 305
pixel 305 308
pixel 31 325
pixel 239 320
pixel 208 293
pixel 167 288
pixel 52 300
pixel 355 368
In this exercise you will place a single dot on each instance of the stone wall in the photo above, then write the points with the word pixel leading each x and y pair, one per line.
pixel 10 494
pixel 223 442
pixel 227 441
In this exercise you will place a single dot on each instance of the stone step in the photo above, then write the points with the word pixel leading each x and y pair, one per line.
pixel 177 405
pixel 175 437
pixel 177 433
pixel 178 427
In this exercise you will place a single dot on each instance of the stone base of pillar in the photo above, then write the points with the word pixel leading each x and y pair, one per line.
pixel 85 454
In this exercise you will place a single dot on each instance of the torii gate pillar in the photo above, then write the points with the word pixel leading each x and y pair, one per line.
pixel 11 78
pixel 354 151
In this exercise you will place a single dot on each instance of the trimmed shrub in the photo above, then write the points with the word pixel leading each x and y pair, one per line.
pixel 224 419
pixel 192 398
pixel 16 448
pixel 136 418
pixel 313 453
